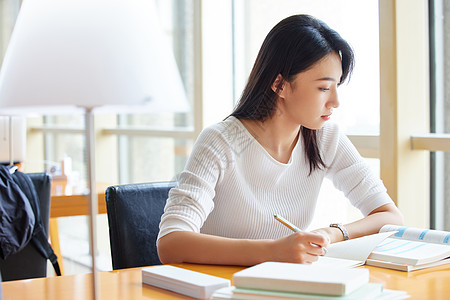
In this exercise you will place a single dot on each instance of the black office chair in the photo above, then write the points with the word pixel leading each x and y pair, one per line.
pixel 134 212
pixel 29 263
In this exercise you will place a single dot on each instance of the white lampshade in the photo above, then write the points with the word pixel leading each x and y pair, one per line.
pixel 89 53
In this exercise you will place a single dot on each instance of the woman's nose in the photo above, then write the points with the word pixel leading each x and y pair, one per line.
pixel 333 102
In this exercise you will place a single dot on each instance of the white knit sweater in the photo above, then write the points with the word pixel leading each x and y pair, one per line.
pixel 232 187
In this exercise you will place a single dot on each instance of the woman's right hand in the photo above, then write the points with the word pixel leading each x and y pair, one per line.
pixel 300 247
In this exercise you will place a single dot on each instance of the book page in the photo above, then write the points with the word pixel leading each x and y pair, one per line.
pixel 357 249
pixel 418 234
pixel 338 262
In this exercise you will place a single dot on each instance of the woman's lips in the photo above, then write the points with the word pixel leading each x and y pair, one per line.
pixel 326 117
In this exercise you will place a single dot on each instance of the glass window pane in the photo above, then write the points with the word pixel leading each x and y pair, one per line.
pixel 446 111
pixel 153 159
pixel 440 109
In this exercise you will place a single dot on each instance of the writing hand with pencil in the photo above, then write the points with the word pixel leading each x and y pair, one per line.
pixel 301 246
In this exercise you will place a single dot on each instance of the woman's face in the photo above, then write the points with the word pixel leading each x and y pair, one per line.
pixel 310 98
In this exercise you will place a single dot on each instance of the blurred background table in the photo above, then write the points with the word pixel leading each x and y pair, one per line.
pixel 67 201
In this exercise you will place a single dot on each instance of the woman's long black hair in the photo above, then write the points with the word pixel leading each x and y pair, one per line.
pixel 293 46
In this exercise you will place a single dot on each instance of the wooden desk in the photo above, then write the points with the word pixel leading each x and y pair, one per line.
pixel 75 203
pixel 127 284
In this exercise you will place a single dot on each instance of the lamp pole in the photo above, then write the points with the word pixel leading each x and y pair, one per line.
pixel 93 197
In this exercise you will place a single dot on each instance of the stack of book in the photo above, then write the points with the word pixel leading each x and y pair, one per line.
pixel 275 280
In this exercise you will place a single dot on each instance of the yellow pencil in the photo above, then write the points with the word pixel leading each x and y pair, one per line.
pixel 293 228
pixel 286 223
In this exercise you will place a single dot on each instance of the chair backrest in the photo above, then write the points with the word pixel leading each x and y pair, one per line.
pixel 134 212
pixel 29 263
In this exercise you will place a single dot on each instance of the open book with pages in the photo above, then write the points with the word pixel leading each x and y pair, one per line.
pixel 394 247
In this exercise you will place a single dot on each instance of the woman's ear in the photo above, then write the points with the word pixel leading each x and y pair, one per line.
pixel 277 85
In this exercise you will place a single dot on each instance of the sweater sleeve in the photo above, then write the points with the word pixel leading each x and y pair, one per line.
pixel 351 174
pixel 190 203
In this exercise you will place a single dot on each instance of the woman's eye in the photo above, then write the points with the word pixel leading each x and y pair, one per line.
pixel 324 89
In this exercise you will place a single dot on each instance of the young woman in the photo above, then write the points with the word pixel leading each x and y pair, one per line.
pixel 269 157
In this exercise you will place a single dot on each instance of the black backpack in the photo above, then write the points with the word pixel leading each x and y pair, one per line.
pixel 20 217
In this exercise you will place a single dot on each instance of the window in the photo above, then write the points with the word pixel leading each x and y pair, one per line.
pixel 440 107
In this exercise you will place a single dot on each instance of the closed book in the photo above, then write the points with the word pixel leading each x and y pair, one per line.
pixel 301 278
pixel 368 291
pixel 183 281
